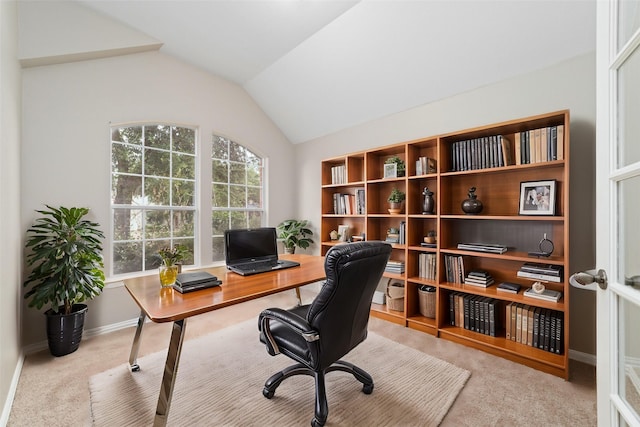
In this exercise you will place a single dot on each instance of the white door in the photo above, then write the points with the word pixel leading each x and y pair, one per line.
pixel 618 212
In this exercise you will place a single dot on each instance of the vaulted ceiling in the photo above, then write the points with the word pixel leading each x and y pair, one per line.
pixel 316 67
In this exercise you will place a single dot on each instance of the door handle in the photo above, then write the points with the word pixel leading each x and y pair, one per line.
pixel 588 277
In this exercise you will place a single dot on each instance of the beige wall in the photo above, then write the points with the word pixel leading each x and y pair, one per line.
pixel 569 85
pixel 10 236
pixel 66 116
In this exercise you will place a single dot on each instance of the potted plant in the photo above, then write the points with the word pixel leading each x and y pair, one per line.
pixel 395 199
pixel 66 263
pixel 171 258
pixel 294 233
pixel 430 237
pixel 400 166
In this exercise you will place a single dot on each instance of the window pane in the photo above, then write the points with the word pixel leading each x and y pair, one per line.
pixel 238 196
pixel 127 257
pixel 184 140
pixel 255 219
pixel 156 191
pixel 151 258
pixel 254 175
pixel 220 171
pixel 220 222
pixel 238 174
pixel 126 159
pixel 184 166
pixel 220 149
pixel 157 224
pixel 157 162
pixel 157 137
pixel 254 197
pixel 218 249
pixel 183 223
pixel 183 193
pixel 126 189
pixel 220 198
pixel 237 152
pixel 130 135
pixel 127 224
pixel 629 20
pixel 239 219
pixel 189 244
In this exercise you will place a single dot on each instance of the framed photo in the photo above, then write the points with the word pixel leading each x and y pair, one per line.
pixel 538 198
pixel 344 233
pixel 390 170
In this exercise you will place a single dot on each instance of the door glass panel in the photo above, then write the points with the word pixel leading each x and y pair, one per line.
pixel 628 106
pixel 629 354
pixel 627 223
pixel 628 20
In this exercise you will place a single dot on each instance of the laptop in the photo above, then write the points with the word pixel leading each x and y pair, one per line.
pixel 253 250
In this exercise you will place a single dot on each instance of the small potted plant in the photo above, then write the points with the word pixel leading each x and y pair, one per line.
pixel 430 237
pixel 395 199
pixel 170 267
pixel 66 260
pixel 400 166
pixel 294 233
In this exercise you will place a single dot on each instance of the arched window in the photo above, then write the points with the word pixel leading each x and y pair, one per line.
pixel 237 196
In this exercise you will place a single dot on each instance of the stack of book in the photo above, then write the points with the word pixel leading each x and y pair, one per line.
pixel 483 247
pixel 395 267
pixel 509 287
pixel 425 165
pixel 543 272
pixel 478 278
pixel 194 281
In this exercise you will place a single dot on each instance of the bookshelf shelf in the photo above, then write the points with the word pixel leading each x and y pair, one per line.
pixel 494 159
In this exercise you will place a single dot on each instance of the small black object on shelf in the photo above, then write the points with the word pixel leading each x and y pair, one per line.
pixel 472 205
pixel 545 248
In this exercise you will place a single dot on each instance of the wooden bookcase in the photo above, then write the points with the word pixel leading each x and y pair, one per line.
pixel 499 222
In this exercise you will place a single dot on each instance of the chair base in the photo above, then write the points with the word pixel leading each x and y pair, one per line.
pixel 322 408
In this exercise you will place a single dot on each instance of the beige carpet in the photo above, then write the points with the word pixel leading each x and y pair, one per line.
pixel 221 376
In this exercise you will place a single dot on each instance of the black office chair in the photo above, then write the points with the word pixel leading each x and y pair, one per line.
pixel 319 334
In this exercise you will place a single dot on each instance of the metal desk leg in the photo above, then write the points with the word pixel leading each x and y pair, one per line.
pixel 170 372
pixel 133 356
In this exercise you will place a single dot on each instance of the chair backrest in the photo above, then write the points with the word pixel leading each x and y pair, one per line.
pixel 340 311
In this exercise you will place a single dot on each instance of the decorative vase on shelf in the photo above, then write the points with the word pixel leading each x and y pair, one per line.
pixel 168 275
pixel 428 204
pixel 472 205
pixel 395 208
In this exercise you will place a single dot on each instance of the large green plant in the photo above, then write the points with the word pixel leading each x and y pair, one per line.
pixel 294 233
pixel 66 259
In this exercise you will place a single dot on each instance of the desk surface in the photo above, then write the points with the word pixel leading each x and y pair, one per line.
pixel 167 305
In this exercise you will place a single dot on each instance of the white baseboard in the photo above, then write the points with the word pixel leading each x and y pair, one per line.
pixel 589 359
pixel 6 410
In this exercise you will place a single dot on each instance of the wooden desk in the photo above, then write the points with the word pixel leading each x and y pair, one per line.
pixel 167 305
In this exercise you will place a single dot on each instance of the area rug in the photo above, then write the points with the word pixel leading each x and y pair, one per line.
pixel 221 376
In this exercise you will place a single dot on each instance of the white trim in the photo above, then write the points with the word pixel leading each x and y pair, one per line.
pixel 589 359
pixel 6 410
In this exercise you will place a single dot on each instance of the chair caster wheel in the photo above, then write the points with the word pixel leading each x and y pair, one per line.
pixel 267 393
pixel 367 388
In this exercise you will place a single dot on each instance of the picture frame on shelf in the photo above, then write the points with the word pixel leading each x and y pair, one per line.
pixel 390 170
pixel 538 197
pixel 344 234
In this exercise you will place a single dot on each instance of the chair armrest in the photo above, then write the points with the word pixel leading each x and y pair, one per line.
pixel 290 320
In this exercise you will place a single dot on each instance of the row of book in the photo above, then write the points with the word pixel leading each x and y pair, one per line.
pixel 534 326
pixel 339 174
pixel 454 268
pixel 475 313
pixel 540 271
pixel 539 145
pixel 349 204
pixel 396 267
pixel 427 266
pixel 481 153
pixel 425 165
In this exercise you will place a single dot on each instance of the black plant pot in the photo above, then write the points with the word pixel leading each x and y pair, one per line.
pixel 64 332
